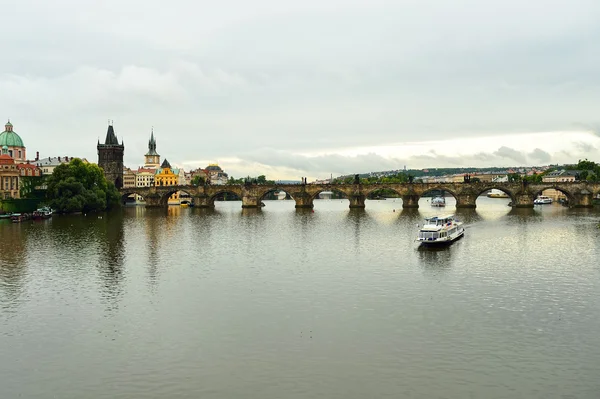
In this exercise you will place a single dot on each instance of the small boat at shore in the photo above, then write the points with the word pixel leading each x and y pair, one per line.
pixel 42 213
pixel 440 230
pixel 19 217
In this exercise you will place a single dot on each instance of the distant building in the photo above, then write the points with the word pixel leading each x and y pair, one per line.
pixel 26 185
pixel 28 169
pixel 168 176
pixel 216 175
pixel 557 176
pixel 561 176
pixel 47 165
pixel 128 178
pixel 14 144
pixel 110 157
pixel 152 159
pixel 144 177
pixel 9 175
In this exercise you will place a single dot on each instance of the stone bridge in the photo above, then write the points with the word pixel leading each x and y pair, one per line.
pixel 579 194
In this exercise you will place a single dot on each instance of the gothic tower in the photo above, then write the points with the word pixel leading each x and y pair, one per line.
pixel 152 157
pixel 110 157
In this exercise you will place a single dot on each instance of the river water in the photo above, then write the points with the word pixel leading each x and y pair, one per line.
pixel 285 303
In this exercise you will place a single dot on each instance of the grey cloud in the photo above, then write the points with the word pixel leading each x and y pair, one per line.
pixel 540 155
pixel 512 154
pixel 584 147
pixel 322 165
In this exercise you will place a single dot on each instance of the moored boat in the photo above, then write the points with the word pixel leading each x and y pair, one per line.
pixel 42 213
pixel 438 201
pixel 440 230
pixel 495 193
pixel 19 217
pixel 542 199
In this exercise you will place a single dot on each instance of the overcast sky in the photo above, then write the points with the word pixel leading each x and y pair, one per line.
pixel 307 88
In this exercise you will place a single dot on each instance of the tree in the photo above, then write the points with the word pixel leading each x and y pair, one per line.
pixel 534 178
pixel 80 187
pixel 514 178
pixel 584 164
pixel 198 181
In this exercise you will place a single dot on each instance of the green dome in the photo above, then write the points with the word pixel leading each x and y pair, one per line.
pixel 10 138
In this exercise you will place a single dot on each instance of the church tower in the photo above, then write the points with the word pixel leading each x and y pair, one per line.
pixel 110 157
pixel 152 157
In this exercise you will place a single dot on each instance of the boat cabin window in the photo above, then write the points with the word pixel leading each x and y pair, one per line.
pixel 429 235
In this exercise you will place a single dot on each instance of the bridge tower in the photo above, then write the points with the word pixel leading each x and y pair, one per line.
pixel 110 157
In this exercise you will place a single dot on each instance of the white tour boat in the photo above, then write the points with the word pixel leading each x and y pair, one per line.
pixel 439 230
pixel 438 201
pixel 495 193
pixel 542 199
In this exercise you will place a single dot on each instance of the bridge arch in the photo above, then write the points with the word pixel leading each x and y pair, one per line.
pixel 126 194
pixel 381 192
pixel 315 194
pixel 500 188
pixel 224 194
pixel 571 197
pixel 172 194
pixel 441 188
pixel 274 190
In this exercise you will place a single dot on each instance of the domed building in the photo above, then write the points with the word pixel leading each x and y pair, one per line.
pixel 10 139
pixel 216 175
pixel 9 176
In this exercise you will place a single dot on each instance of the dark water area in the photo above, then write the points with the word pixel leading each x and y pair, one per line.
pixel 286 303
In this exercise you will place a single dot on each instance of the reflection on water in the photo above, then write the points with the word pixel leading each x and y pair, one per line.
pixel 281 302
pixel 434 260
pixel 13 241
pixel 110 237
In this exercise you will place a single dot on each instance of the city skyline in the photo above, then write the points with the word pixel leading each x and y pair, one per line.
pixel 309 89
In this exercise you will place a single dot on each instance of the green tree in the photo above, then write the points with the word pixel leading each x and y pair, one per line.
pixel 80 187
pixel 198 181
pixel 514 177
pixel 584 164
pixel 534 178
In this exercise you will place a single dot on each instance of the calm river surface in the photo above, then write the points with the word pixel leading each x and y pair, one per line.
pixel 279 303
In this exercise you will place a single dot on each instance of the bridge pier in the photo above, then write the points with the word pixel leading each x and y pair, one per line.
pixel 523 200
pixel 466 200
pixel 410 201
pixel 303 200
pixel 357 201
pixel 251 201
pixel 202 201
pixel 584 199
pixel 154 201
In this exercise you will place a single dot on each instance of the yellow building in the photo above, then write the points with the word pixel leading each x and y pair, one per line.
pixel 167 176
